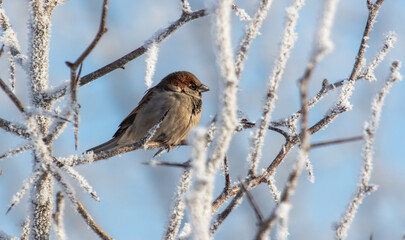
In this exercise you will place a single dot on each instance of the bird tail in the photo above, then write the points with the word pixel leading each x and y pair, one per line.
pixel 105 146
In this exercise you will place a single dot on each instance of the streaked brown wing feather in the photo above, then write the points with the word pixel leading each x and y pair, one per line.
pixel 127 122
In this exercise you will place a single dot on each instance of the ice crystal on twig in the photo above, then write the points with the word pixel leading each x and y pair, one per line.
pixel 241 13
pixel 368 73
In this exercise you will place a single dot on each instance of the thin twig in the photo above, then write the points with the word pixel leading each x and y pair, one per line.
pixel 90 221
pixel 167 164
pixel 12 96
pixel 226 173
pixel 74 77
pixel 252 202
pixel 338 141
pixel 58 216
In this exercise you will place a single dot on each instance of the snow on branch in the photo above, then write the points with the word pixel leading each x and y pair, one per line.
pixel 364 187
pixel 287 43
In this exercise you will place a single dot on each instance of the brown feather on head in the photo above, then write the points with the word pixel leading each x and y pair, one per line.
pixel 181 80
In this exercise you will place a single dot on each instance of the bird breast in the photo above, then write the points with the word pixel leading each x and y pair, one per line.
pixel 184 113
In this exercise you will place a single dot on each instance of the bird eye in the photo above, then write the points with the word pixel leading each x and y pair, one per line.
pixel 193 86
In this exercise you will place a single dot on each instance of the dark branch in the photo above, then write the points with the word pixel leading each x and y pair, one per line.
pixel 338 141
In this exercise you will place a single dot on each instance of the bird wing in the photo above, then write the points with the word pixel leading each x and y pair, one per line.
pixel 127 122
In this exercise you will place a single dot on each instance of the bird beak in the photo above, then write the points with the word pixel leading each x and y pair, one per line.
pixel 203 88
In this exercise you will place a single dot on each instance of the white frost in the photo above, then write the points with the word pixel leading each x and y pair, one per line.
pixel 151 60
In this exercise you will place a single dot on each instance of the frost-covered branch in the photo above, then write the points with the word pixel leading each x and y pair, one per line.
pixel 79 207
pixel 364 187
pixel 16 150
pixel 368 73
pixel 58 217
pixel 14 128
pixel 226 117
pixel 26 185
pixel 198 200
pixel 177 212
pixel 287 43
pixel 251 32
pixel 81 181
pixel 282 209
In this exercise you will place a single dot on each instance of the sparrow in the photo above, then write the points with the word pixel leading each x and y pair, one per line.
pixel 178 96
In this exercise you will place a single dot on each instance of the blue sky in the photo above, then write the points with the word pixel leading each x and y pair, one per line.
pixel 135 199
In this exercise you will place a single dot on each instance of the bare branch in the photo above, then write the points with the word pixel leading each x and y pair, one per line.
pixel 220 218
pixel 12 96
pixel 78 63
pixel 226 173
pixel 338 141
pixel 252 202
pixel 167 164
pixel 90 221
